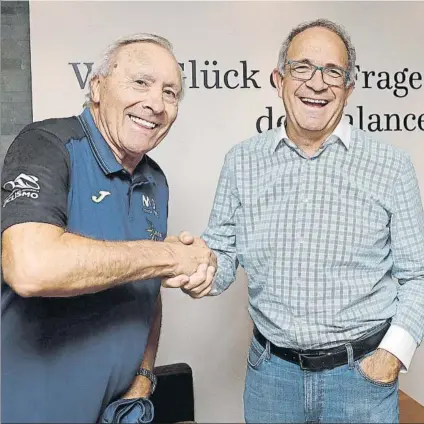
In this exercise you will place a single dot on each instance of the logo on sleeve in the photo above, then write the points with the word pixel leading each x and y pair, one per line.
pixel 22 186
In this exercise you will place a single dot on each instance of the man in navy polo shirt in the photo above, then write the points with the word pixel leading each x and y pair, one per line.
pixel 84 222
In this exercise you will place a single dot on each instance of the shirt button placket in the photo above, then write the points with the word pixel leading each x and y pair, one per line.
pixel 130 202
pixel 300 219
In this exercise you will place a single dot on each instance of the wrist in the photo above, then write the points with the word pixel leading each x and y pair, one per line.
pixel 388 357
pixel 171 268
pixel 148 378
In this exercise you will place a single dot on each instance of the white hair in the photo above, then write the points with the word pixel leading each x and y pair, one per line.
pixel 104 66
pixel 323 23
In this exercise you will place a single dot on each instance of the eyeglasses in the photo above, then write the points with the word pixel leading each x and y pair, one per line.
pixel 305 71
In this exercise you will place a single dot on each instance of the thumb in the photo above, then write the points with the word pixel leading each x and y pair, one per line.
pixel 186 238
pixel 175 282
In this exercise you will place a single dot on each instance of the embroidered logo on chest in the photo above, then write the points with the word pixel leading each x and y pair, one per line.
pixel 154 234
pixel 100 197
pixel 149 205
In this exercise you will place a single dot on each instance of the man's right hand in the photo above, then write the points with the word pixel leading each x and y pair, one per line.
pixel 197 283
pixel 188 253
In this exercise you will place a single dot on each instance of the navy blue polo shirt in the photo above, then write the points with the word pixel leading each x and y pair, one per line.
pixel 65 359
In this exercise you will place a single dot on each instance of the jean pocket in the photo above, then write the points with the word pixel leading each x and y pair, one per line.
pixel 367 378
pixel 257 354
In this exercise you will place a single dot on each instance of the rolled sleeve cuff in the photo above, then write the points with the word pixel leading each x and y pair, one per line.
pixel 216 288
pixel 401 344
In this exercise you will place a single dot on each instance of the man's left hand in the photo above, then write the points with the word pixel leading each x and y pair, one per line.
pixel 200 283
pixel 381 366
pixel 140 388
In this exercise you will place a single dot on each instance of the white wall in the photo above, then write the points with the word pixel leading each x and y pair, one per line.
pixel 212 335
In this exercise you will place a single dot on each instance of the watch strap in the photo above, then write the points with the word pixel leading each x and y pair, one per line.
pixel 149 374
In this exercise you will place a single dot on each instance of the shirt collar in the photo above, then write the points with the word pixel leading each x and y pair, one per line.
pixel 343 132
pixel 143 172
pixel 104 155
pixel 98 144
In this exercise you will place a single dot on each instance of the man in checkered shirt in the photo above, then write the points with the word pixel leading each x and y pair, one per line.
pixel 329 227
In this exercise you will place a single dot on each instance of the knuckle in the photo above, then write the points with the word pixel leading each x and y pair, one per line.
pixel 197 282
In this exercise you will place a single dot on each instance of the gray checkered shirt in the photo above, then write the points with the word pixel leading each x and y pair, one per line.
pixel 320 238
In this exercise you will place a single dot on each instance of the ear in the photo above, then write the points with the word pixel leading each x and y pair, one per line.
pixel 278 80
pixel 95 84
pixel 349 91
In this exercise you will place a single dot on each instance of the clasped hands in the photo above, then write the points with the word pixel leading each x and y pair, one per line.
pixel 195 265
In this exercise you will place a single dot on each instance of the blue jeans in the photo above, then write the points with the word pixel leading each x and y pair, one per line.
pixel 278 391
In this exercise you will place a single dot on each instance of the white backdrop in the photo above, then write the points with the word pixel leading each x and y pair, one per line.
pixel 212 335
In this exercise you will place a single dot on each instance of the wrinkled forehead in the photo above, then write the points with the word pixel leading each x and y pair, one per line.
pixel 147 58
pixel 320 46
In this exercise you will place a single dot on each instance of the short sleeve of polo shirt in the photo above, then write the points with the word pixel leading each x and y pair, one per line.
pixel 35 180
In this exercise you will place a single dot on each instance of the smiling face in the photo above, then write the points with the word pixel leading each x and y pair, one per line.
pixel 135 105
pixel 313 107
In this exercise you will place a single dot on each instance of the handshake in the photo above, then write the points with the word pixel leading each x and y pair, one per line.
pixel 194 265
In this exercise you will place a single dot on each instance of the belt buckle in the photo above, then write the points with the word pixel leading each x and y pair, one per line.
pixel 316 362
pixel 301 357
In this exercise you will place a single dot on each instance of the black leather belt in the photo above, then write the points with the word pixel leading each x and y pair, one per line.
pixel 325 359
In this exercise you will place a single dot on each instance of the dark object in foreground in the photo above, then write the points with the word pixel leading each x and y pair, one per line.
pixel 173 398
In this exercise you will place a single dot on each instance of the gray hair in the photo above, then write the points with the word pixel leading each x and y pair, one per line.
pixel 323 23
pixel 104 66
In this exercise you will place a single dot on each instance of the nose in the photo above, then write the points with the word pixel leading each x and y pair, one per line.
pixel 317 83
pixel 154 101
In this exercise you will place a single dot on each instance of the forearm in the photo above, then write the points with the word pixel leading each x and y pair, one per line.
pixel 407 246
pixel 88 266
pixel 410 309
pixel 141 385
pixel 71 265
pixel 153 340
pixel 220 234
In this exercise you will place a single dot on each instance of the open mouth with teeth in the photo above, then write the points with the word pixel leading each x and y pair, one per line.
pixel 143 123
pixel 318 103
